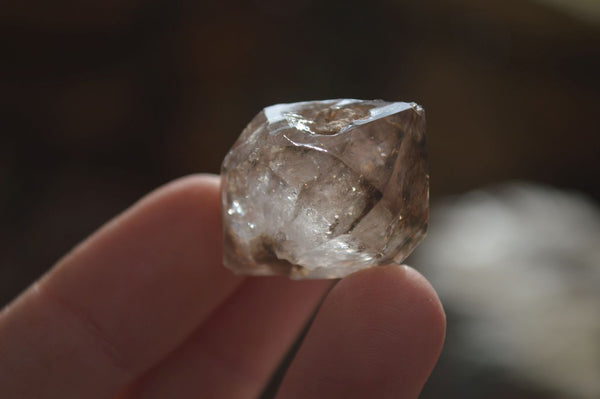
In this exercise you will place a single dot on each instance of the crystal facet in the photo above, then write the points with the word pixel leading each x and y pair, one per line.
pixel 321 189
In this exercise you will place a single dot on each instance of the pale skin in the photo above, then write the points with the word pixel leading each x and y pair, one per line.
pixel 144 309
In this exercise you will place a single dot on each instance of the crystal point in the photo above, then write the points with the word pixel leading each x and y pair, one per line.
pixel 321 189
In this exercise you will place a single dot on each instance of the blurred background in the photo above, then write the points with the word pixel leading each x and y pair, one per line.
pixel 102 101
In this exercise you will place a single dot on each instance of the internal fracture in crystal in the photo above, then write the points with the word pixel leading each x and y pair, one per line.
pixel 324 188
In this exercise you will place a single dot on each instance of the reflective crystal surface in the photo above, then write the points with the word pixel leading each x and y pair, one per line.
pixel 321 189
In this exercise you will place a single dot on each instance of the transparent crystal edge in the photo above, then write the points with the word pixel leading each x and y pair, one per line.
pixel 274 113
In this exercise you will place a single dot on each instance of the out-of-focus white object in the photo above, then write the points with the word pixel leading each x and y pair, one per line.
pixel 520 264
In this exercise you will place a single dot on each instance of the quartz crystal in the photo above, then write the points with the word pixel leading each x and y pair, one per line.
pixel 321 189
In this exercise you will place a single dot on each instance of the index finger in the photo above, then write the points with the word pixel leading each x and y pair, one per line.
pixel 121 301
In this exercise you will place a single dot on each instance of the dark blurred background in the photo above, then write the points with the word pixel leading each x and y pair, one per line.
pixel 102 101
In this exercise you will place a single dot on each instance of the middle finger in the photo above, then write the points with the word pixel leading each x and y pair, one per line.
pixel 233 354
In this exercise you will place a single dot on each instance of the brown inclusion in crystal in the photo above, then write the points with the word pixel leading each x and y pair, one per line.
pixel 324 188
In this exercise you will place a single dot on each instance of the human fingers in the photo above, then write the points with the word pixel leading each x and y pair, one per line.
pixel 378 334
pixel 234 353
pixel 121 301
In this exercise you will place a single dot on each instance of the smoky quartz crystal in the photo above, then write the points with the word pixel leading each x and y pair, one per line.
pixel 321 189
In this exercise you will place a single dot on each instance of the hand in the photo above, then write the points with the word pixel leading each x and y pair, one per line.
pixel 144 309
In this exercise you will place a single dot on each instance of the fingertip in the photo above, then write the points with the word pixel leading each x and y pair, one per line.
pixel 196 180
pixel 432 304
pixel 187 192
pixel 378 334
pixel 192 202
pixel 399 284
pixel 406 294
